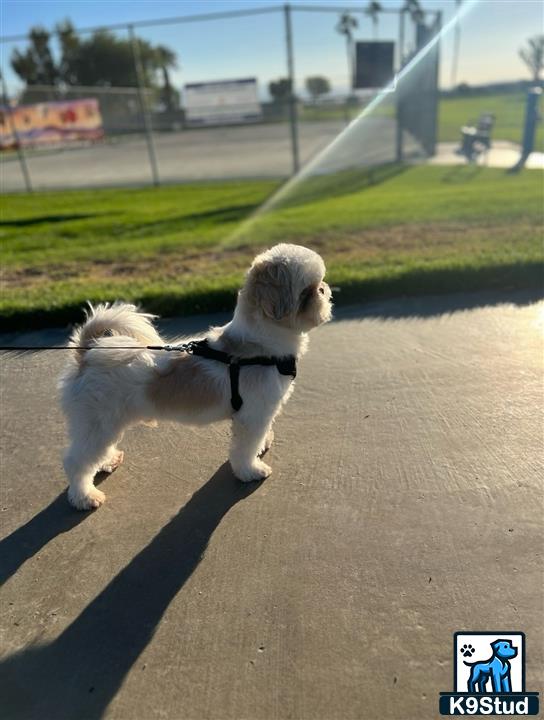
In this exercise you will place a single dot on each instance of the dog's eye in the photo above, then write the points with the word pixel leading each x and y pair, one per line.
pixel 322 290
pixel 305 296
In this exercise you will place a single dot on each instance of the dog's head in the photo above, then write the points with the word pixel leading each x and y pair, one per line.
pixel 503 649
pixel 285 285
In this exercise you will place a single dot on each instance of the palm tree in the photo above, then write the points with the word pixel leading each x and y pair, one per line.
pixel 373 10
pixel 533 56
pixel 36 65
pixel 345 26
pixel 166 60
pixel 413 8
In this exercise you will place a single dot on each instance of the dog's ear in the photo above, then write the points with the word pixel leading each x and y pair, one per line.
pixel 269 288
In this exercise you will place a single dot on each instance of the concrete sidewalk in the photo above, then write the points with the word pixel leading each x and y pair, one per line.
pixel 503 154
pixel 405 504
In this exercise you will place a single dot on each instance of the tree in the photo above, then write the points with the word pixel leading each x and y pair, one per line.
pixel 345 26
pixel 166 61
pixel 373 10
pixel 463 89
pixel 106 60
pixel 280 90
pixel 102 59
pixel 413 8
pixel 70 47
pixel 533 56
pixel 36 66
pixel 317 85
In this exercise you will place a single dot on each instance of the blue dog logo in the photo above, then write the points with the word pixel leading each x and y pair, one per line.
pixel 496 669
pixel 495 686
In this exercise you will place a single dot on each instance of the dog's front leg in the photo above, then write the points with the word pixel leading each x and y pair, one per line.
pixel 496 680
pixel 249 438
pixel 267 442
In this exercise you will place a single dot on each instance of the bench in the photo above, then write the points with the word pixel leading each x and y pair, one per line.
pixel 476 139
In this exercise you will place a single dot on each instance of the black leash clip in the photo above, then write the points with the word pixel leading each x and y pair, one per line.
pixel 186 347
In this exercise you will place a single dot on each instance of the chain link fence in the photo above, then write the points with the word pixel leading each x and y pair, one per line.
pixel 77 136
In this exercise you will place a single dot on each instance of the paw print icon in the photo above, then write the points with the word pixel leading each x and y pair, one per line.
pixel 467 650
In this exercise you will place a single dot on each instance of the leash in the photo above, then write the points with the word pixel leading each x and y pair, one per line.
pixel 36 348
pixel 286 365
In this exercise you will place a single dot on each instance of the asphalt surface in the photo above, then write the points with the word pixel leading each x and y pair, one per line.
pixel 405 504
pixel 247 151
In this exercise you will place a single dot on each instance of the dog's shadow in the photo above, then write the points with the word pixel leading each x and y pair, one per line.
pixel 78 674
pixel 57 518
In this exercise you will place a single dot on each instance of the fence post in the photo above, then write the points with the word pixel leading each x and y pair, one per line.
pixel 143 107
pixel 531 120
pixel 433 135
pixel 20 151
pixel 399 150
pixel 529 128
pixel 293 119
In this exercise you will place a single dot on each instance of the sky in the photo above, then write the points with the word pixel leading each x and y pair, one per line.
pixel 491 35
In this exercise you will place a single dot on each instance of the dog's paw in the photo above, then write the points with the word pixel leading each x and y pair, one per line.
pixel 91 500
pixel 258 471
pixel 113 462
pixel 467 651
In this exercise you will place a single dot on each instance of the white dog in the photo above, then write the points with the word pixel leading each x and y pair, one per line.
pixel 243 370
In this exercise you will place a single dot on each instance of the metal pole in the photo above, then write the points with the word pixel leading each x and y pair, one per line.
pixel 143 107
pixel 219 16
pixel 351 59
pixel 293 119
pixel 531 120
pixel 456 45
pixel 529 128
pixel 399 154
pixel 436 82
pixel 16 138
pixel 402 17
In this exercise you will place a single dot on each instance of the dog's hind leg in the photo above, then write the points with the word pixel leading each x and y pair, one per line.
pixel 473 679
pixel 82 461
pixel 482 683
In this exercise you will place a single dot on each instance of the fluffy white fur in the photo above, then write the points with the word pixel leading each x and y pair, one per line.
pixel 105 390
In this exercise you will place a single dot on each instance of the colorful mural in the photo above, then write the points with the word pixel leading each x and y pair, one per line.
pixel 51 122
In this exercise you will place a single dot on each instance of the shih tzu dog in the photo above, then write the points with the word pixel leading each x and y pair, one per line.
pixel 243 370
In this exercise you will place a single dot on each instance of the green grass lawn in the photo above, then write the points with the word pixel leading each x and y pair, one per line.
pixel 509 109
pixel 345 113
pixel 179 249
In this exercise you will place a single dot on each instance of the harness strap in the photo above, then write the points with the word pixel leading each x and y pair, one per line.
pixel 235 397
pixel 285 365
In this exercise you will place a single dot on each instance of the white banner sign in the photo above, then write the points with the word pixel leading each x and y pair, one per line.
pixel 222 102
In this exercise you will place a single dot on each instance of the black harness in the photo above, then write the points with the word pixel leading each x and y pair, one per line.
pixel 285 365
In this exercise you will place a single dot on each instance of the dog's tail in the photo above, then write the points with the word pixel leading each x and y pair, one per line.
pixel 113 325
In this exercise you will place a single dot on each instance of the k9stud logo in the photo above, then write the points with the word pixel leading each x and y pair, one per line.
pixel 489 676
